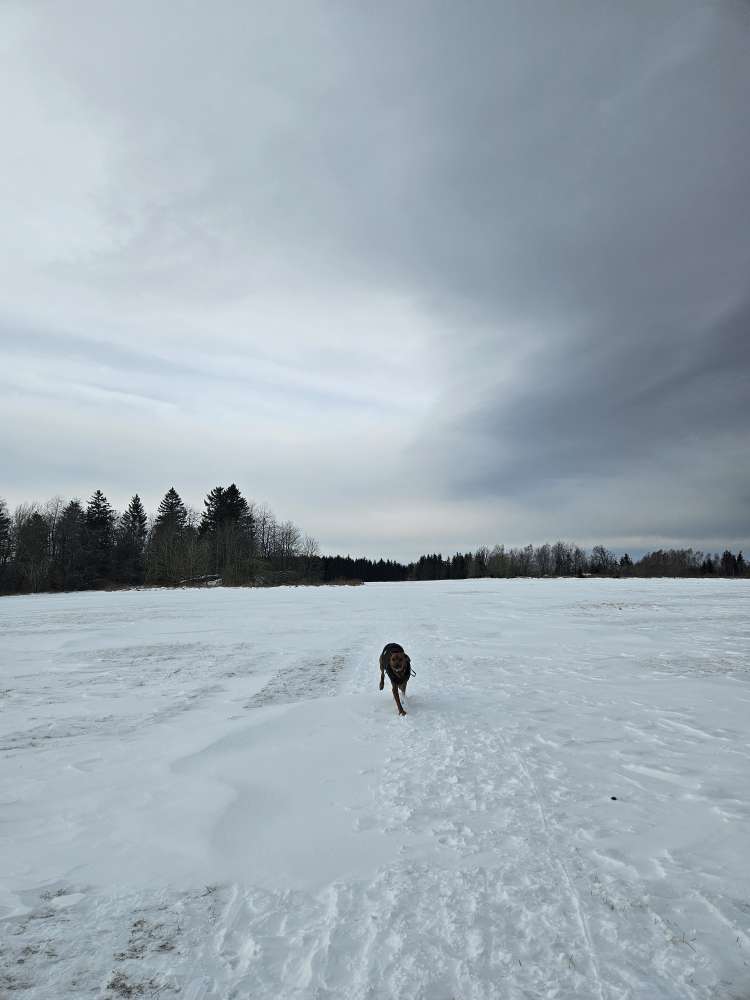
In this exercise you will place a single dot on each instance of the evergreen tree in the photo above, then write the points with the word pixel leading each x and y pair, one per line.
pixel 235 506
pixel 227 525
pixel 213 513
pixel 741 564
pixel 131 543
pixel 69 557
pixel 32 552
pixel 459 566
pixel 166 556
pixel 222 507
pixel 728 564
pixel 707 566
pixel 99 540
pixel 172 513
pixel 6 545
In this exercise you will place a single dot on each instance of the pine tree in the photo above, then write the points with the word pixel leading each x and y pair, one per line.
pixel 69 558
pixel 99 513
pixel 131 543
pixel 227 525
pixel 166 560
pixel 728 564
pixel 172 513
pixel 99 540
pixel 235 506
pixel 6 545
pixel 214 509
pixel 32 553
pixel 223 507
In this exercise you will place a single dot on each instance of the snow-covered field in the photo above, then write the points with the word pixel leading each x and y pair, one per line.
pixel 203 794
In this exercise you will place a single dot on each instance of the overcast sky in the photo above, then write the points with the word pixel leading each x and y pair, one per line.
pixel 421 276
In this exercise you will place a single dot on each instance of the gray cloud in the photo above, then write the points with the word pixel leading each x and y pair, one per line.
pixel 500 251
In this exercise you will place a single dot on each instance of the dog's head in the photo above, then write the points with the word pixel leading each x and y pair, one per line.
pixel 399 661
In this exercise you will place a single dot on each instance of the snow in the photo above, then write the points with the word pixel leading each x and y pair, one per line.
pixel 204 795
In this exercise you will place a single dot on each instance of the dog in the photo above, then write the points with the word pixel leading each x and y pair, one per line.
pixel 395 663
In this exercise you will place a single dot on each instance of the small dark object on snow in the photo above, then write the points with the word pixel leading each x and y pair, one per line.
pixel 614 798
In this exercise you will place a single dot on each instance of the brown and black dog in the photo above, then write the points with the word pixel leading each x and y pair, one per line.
pixel 395 663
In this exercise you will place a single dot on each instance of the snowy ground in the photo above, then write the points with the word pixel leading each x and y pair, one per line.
pixel 204 795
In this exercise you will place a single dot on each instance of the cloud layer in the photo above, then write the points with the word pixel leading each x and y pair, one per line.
pixel 420 276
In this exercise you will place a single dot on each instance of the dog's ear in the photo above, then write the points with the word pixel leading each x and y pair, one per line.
pixel 408 660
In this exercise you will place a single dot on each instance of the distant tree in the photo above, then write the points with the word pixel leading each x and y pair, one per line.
pixel 6 545
pixel 728 564
pixel 32 549
pixel 166 551
pixel 289 540
pixel 670 562
pixel 99 540
pixel 172 513
pixel 741 564
pixel 309 556
pixel 496 564
pixel 229 526
pixel 130 546
pixel 602 561
pixel 222 507
pixel 626 565
pixel 434 567
pixel 459 566
pixel 235 506
pixel 562 557
pixel 213 512
pixel 195 550
pixel 69 559
pixel 265 530
pixel 52 513
pixel 544 561
pixel 479 563
pixel 526 561
pixel 580 561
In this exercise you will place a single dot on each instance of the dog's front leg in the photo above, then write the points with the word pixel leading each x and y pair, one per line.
pixel 399 706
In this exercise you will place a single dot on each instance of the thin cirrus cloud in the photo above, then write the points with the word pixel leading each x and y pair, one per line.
pixel 420 276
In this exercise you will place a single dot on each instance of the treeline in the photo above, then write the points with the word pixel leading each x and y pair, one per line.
pixel 565 559
pixel 560 559
pixel 69 546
